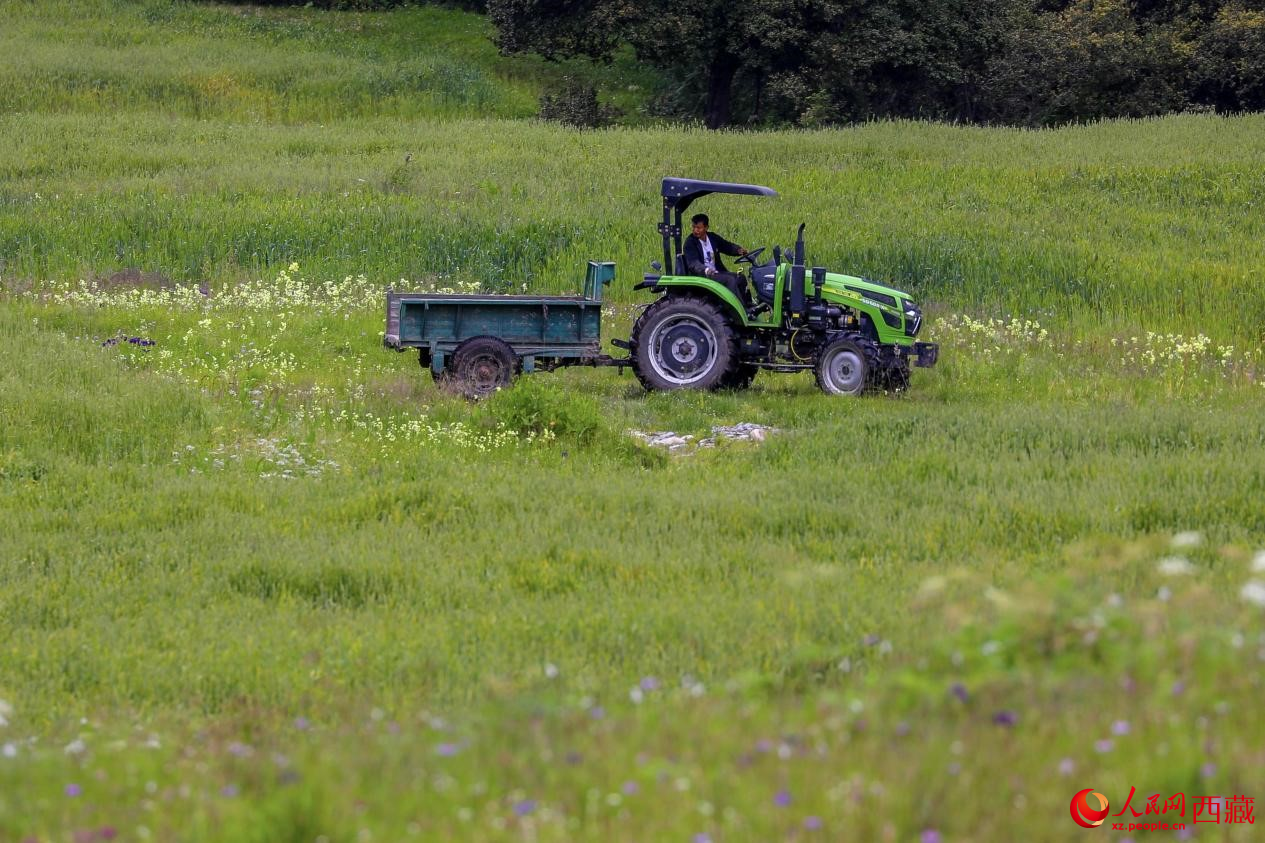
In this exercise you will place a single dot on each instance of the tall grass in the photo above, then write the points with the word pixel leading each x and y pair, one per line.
pixel 1159 232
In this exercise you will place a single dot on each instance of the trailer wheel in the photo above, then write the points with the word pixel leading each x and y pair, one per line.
pixel 844 365
pixel 479 367
pixel 682 342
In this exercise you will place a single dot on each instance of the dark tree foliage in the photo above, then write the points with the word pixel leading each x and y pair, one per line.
pixel 815 62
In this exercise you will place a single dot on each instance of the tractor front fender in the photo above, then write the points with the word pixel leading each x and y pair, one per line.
pixel 704 286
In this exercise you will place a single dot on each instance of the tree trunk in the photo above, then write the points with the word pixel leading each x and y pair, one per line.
pixel 720 86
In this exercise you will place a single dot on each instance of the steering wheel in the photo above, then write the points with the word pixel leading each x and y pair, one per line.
pixel 750 257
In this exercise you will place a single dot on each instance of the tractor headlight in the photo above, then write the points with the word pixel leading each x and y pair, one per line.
pixel 913 317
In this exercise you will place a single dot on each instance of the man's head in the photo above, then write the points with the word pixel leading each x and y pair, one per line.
pixel 699 225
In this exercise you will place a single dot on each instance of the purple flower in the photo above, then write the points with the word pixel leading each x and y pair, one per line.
pixel 447 750
pixel 1120 727
pixel 702 837
pixel 764 745
pixel 1104 745
pixel 228 791
pixel 630 788
pixel 573 758
pixel 953 769
pixel 929 835
pixel 525 807
pixel 649 683
pixel 782 799
pixel 73 790
pixel 597 712
pixel 902 728
pixel 871 639
pixel 107 833
pixel 1208 770
pixel 1178 688
pixel 1066 767
pixel 959 690
pixel 812 823
pixel 1005 718
pixel 302 724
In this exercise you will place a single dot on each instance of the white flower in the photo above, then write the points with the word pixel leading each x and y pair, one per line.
pixel 6 711
pixel 1190 538
pixel 76 747
pixel 1172 566
pixel 1258 562
pixel 9 750
pixel 551 671
pixel 1254 592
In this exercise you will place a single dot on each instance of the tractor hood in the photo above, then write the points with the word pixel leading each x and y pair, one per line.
pixel 851 286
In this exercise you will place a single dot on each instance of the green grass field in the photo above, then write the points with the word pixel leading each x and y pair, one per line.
pixel 261 581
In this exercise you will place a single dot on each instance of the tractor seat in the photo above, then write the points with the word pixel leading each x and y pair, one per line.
pixel 764 279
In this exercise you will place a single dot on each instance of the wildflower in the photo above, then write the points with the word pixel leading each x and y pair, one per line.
pixel 929 835
pixel 1258 562
pixel 75 747
pixel 447 750
pixel 1178 688
pixel 782 798
pixel 702 837
pixel 649 683
pixel 228 791
pixel 1066 767
pixel 1104 745
pixel 1187 539
pixel 524 807
pixel 1253 591
pixel 6 711
pixel 1208 770
pixel 812 823
pixel 73 790
pixel 1120 727
pixel 959 690
pixel 551 671
pixel 630 788
pixel 1005 718
pixel 302 724
pixel 9 750
pixel 1172 566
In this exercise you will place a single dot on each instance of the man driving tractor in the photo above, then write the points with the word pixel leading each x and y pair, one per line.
pixel 702 254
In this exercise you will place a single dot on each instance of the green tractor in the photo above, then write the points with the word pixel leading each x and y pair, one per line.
pixel 852 333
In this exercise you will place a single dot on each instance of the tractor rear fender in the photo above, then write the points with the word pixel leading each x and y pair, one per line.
pixel 678 284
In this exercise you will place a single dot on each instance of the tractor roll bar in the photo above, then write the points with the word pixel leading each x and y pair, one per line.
pixel 679 194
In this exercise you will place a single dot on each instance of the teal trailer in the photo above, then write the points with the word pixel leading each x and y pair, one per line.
pixel 476 344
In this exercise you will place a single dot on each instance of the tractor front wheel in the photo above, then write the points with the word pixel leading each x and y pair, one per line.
pixel 845 364
pixel 683 342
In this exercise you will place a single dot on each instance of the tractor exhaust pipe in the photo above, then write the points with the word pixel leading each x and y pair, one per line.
pixel 797 277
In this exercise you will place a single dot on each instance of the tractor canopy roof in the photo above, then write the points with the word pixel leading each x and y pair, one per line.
pixel 680 193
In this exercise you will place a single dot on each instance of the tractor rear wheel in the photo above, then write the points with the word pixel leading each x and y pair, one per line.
pixel 844 366
pixel 682 342
pixel 480 366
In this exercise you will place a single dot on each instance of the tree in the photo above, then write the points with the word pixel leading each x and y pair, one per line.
pixel 715 39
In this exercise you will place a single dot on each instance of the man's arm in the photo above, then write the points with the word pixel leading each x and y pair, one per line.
pixel 726 248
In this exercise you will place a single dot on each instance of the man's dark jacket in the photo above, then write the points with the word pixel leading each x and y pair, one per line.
pixel 693 253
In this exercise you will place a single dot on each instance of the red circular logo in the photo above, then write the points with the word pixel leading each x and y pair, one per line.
pixel 1086 816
